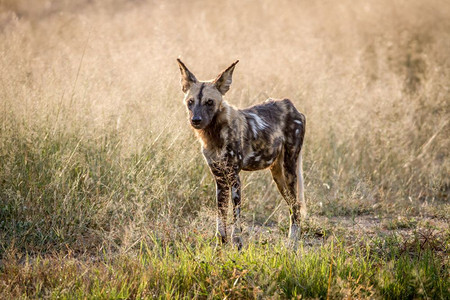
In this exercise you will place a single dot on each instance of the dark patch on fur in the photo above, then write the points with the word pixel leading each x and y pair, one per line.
pixel 200 93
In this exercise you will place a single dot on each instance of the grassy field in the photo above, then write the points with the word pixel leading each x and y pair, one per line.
pixel 103 190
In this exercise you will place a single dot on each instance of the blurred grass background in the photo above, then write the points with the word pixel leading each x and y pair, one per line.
pixel 96 153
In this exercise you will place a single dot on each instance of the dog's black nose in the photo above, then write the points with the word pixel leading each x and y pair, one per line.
pixel 196 120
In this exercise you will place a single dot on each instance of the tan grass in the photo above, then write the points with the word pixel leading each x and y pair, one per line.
pixel 100 78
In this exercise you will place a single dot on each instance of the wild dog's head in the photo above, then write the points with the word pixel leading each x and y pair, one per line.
pixel 203 99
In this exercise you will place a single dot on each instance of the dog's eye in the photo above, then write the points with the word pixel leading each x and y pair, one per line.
pixel 190 102
pixel 210 102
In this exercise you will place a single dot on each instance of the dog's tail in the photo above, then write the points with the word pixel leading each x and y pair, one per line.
pixel 300 187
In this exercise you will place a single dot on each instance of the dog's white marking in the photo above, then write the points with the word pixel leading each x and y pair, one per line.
pixel 234 193
pixel 257 124
pixel 260 124
pixel 248 157
pixel 253 126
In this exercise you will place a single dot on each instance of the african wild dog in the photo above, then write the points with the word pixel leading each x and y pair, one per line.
pixel 268 135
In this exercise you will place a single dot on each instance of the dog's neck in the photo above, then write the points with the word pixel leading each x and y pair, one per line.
pixel 211 137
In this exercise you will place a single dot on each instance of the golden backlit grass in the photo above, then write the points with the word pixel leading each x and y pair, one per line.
pixel 96 155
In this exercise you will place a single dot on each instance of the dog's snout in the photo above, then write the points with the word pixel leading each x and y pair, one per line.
pixel 196 120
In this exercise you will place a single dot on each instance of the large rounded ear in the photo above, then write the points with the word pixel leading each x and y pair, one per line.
pixel 223 81
pixel 187 78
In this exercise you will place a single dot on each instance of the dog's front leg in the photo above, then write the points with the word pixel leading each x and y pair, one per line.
pixel 222 196
pixel 236 197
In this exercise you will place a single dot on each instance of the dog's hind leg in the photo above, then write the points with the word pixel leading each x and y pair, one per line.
pixel 286 183
pixel 286 174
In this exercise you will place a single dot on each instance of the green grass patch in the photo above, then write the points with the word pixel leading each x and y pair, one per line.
pixel 197 269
